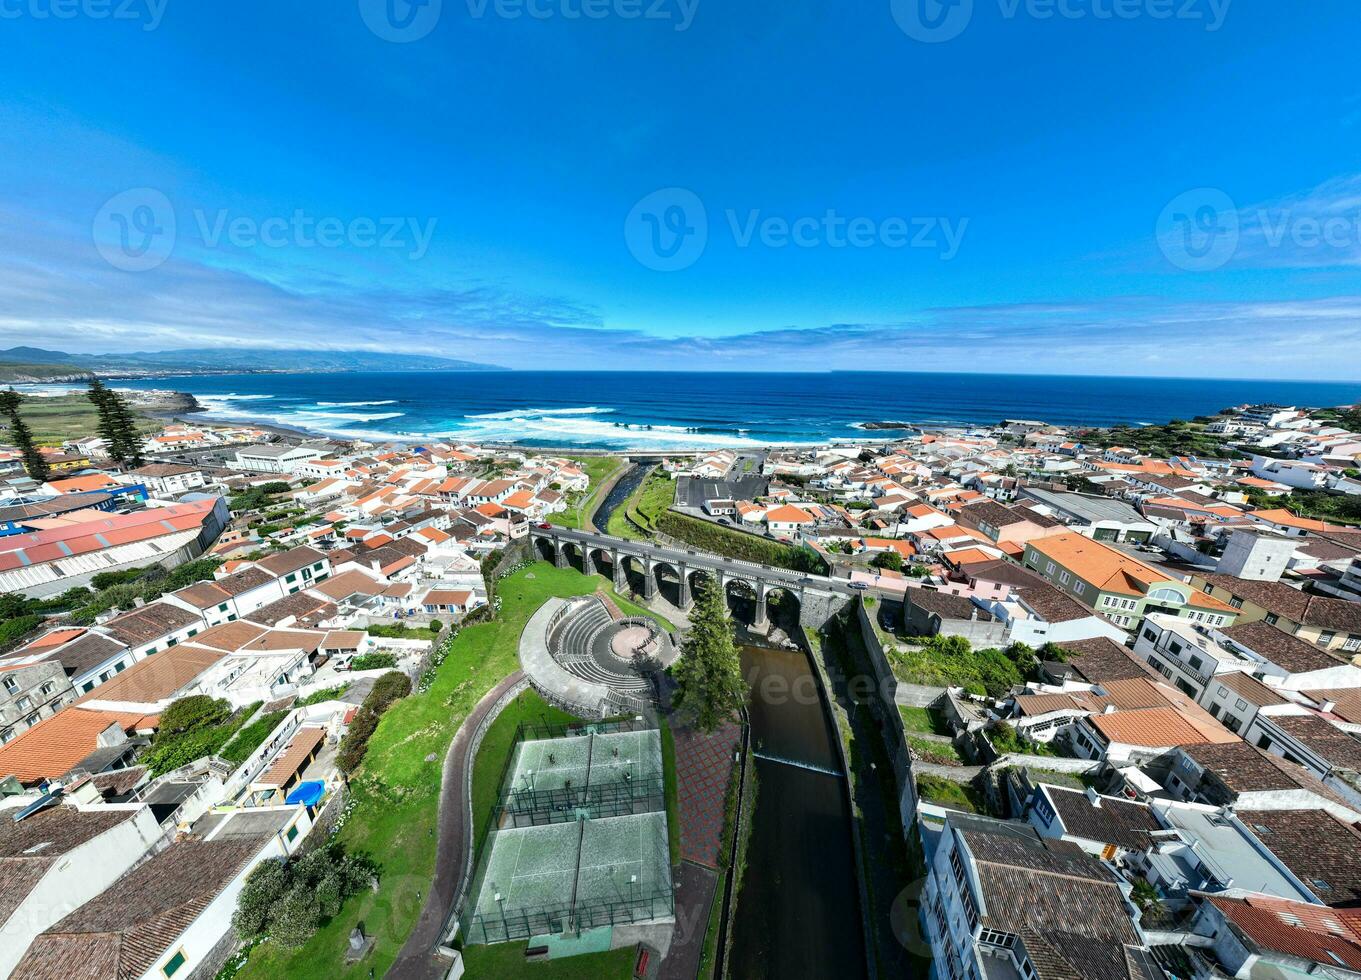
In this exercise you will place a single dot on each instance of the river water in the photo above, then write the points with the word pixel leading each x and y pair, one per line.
pixel 798 910
pixel 620 493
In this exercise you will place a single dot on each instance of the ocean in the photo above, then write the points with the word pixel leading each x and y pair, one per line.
pixel 668 411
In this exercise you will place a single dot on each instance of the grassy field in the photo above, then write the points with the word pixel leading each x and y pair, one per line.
pixel 923 720
pixel 397 792
pixel 941 753
pixel 957 795
pixel 580 506
pixel 56 420
pixel 645 505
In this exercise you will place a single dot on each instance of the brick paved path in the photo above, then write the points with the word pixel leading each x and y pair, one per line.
pixel 703 765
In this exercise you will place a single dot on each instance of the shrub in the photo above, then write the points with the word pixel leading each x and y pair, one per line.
pixel 16 629
pixel 195 711
pixel 888 559
pixel 387 689
pixel 250 738
pixel 373 661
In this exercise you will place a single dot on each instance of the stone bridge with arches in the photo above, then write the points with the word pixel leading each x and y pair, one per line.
pixel 655 566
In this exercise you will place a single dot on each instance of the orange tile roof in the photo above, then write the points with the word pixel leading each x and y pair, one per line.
pixel 1111 570
pixel 157 677
pixel 1159 727
pixel 294 757
pixel 54 745
pixel 788 514
pixel 1286 519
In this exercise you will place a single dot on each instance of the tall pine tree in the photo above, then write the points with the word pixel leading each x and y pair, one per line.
pixel 98 396
pixel 710 688
pixel 34 462
pixel 117 425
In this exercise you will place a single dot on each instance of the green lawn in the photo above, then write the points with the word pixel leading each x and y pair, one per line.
pixel 672 793
pixel 580 506
pixel 652 498
pixel 923 720
pixel 397 791
pixel 947 793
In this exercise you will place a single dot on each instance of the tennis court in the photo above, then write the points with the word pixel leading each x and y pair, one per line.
pixel 623 858
pixel 544 768
pixel 563 857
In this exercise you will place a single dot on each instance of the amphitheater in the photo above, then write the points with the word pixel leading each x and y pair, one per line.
pixel 585 656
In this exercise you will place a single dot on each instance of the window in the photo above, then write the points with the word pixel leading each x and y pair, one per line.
pixel 1236 602
pixel 1271 619
pixel 292 833
pixel 23 704
pixel 1149 634
pixel 1167 595
pixel 291 577
pixel 1049 569
pixel 11 686
pixel 1353 642
pixel 1196 663
pixel 1240 704
pixel 1080 588
pixel 1326 637
pixel 174 963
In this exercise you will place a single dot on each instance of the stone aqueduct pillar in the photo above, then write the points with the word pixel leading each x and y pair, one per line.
pixel 686 599
pixel 621 579
pixel 559 554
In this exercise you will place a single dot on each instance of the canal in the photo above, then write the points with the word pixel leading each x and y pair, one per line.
pixel 798 909
pixel 620 492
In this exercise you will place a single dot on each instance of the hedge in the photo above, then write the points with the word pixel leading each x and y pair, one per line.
pixel 737 544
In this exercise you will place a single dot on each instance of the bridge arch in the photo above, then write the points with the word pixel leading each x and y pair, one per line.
pixel 543 547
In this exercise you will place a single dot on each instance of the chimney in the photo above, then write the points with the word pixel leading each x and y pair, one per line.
pixel 138 603
pixel 1108 709
pixel 1093 797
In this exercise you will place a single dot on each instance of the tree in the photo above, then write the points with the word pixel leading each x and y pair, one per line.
pixel 34 462
pixel 888 559
pixel 710 689
pixel 117 424
pixel 287 900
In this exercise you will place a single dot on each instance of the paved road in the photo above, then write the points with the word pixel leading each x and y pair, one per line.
pixel 417 960
pixel 701 559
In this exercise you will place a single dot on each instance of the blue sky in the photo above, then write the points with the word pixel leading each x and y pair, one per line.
pixel 1170 189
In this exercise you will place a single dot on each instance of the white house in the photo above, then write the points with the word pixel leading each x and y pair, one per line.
pixel 186 895
pixel 57 859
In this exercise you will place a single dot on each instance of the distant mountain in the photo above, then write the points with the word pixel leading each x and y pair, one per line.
pixel 240 359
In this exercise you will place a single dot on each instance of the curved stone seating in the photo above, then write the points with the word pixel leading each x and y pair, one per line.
pixel 567 650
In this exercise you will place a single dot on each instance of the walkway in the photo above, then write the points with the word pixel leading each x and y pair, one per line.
pixel 418 959
pixel 703 766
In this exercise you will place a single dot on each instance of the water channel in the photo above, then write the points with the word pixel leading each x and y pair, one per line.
pixel 798 911
pixel 620 492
